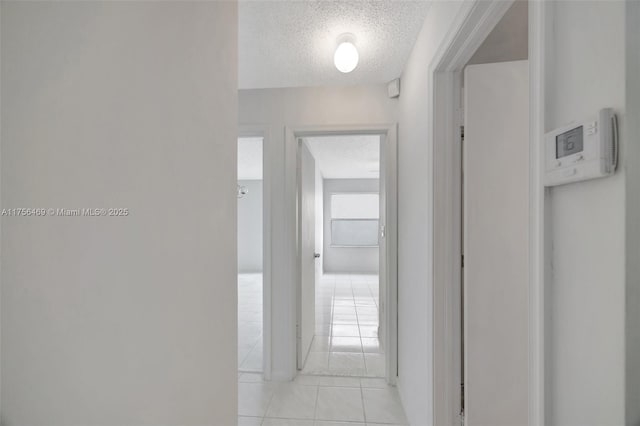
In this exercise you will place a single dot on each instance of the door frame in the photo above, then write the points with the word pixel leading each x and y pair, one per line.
pixel 473 23
pixel 388 133
pixel 264 132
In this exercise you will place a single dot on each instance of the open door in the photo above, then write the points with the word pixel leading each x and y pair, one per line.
pixel 382 248
pixel 496 244
pixel 306 242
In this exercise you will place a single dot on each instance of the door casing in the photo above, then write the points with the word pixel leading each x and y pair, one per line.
pixel 388 133
pixel 473 23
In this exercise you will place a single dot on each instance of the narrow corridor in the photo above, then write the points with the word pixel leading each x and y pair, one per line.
pixel 318 401
pixel 347 318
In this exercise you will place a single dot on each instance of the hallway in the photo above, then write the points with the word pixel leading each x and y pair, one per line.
pixel 342 383
pixel 346 342
pixel 318 401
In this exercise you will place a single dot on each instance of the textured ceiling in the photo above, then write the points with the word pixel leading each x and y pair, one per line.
pixel 249 158
pixel 346 157
pixel 291 43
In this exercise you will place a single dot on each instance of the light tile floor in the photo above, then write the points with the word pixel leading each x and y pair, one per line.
pixel 250 322
pixel 346 341
pixel 318 401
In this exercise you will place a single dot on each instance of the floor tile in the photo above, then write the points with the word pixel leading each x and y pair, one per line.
pixel 287 422
pixel 346 344
pixel 321 344
pixel 344 304
pixel 350 382
pixel 316 363
pixel 346 330
pixel 325 423
pixel 383 406
pixel 249 421
pixel 293 401
pixel 306 380
pixel 368 320
pixel 371 345
pixel 351 319
pixel 253 398
pixel 243 351
pixel 374 363
pixel 369 331
pixel 344 310
pixel 253 361
pixel 342 404
pixel 249 321
pixel 347 363
pixel 373 382
pixel 384 424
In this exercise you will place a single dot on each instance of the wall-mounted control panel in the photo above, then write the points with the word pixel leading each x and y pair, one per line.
pixel 583 150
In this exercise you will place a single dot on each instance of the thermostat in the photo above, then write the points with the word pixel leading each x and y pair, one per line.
pixel 581 151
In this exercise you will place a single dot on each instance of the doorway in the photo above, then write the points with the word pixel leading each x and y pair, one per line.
pixel 250 255
pixel 469 358
pixel 339 210
pixel 496 244
pixel 348 326
pixel 495 220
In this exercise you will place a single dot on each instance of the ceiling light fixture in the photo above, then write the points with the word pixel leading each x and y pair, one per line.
pixel 346 56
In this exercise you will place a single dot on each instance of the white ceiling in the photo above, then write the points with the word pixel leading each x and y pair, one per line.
pixel 346 157
pixel 249 158
pixel 291 43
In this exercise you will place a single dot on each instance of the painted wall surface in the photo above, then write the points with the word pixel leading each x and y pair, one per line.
pixel 250 227
pixel 415 216
pixel 277 109
pixel 119 320
pixel 586 296
pixel 632 170
pixel 347 259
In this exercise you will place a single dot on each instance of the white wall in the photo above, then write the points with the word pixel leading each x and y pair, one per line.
pixel 415 207
pixel 632 169
pixel 586 297
pixel 363 260
pixel 276 109
pixel 119 320
pixel 250 227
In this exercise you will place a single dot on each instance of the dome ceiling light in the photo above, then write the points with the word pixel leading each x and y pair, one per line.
pixel 346 56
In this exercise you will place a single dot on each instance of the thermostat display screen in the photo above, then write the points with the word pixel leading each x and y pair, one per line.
pixel 569 142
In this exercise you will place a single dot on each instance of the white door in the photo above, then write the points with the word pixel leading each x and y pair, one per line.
pixel 382 248
pixel 306 244
pixel 496 233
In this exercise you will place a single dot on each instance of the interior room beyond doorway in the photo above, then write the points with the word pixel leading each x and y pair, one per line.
pixel 250 254
pixel 346 335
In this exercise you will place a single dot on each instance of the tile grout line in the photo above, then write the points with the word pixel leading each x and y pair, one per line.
pixel 315 408
pixel 364 410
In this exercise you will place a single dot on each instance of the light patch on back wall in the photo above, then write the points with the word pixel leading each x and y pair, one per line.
pixel 250 158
